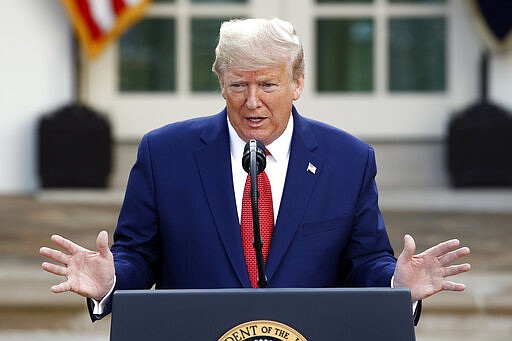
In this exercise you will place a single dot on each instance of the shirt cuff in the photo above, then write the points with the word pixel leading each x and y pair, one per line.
pixel 99 306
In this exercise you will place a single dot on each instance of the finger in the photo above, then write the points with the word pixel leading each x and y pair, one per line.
pixel 62 287
pixel 453 256
pixel 102 243
pixel 409 247
pixel 452 286
pixel 66 244
pixel 444 247
pixel 54 269
pixel 55 255
pixel 456 269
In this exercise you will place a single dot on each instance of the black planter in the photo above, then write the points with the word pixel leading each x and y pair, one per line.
pixel 75 148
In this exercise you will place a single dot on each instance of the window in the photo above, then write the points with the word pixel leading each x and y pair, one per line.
pixel 381 69
pixel 416 54
pixel 147 57
pixel 415 45
pixel 204 39
pixel 147 52
pixel 344 52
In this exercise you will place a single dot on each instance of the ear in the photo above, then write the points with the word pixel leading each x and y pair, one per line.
pixel 299 86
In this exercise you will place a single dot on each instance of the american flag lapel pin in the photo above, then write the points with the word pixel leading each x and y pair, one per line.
pixel 311 168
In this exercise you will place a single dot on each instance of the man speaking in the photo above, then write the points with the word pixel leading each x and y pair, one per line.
pixel 186 217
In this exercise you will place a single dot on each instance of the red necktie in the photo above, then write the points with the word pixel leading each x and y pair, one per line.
pixel 266 211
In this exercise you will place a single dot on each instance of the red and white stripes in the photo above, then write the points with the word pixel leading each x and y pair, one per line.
pixel 99 21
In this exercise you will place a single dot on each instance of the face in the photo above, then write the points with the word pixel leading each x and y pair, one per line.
pixel 259 103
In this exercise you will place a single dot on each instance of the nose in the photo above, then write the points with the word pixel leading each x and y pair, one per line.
pixel 253 100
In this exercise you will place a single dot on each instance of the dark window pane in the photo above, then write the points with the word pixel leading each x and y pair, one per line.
pixel 204 40
pixel 147 57
pixel 417 54
pixel 344 55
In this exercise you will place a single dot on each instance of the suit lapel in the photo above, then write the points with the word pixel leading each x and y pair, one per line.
pixel 214 164
pixel 298 188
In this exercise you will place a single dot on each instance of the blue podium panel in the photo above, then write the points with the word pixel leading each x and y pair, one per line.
pixel 263 314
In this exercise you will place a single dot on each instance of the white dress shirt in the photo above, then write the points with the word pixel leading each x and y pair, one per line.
pixel 277 165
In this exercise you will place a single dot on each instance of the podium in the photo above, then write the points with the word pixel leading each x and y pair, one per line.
pixel 263 315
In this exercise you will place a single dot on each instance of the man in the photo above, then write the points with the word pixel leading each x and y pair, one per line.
pixel 179 226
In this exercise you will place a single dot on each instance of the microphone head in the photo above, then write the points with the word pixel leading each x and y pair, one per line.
pixel 261 156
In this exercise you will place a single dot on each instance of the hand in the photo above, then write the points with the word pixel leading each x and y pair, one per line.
pixel 425 274
pixel 88 273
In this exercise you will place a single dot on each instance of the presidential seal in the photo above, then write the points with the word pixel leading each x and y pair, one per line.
pixel 262 330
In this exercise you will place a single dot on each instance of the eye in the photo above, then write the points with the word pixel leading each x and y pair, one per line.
pixel 269 87
pixel 237 87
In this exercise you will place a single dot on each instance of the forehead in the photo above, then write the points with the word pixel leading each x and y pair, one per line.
pixel 267 73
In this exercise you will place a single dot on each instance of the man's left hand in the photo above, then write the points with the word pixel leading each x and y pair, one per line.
pixel 425 274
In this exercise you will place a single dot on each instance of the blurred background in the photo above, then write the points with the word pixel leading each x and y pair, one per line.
pixel 427 82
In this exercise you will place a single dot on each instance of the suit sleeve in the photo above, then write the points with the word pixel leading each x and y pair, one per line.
pixel 135 249
pixel 136 246
pixel 368 261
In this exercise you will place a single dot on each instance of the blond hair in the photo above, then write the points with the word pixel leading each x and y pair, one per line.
pixel 254 44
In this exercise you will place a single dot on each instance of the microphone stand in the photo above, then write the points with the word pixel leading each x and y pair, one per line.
pixel 257 242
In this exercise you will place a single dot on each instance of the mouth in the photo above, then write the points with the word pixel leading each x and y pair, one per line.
pixel 255 121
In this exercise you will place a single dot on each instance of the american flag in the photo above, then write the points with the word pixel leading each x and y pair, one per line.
pixel 98 22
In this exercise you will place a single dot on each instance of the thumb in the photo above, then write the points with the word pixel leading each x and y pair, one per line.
pixel 409 247
pixel 102 243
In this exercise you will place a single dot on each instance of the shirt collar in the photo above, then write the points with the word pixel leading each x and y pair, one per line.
pixel 279 149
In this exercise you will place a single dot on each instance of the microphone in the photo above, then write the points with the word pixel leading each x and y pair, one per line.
pixel 254 161
pixel 254 146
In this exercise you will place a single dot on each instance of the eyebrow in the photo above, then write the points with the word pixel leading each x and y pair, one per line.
pixel 260 79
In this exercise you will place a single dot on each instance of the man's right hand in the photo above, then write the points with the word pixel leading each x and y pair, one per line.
pixel 88 273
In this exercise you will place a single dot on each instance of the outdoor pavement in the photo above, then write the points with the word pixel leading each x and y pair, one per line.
pixel 29 311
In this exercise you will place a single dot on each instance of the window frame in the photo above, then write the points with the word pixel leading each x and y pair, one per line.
pixel 379 114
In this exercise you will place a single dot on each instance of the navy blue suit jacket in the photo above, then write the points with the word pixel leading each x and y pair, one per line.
pixel 178 227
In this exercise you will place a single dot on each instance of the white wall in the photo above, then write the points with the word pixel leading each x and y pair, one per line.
pixel 35 78
pixel 501 79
